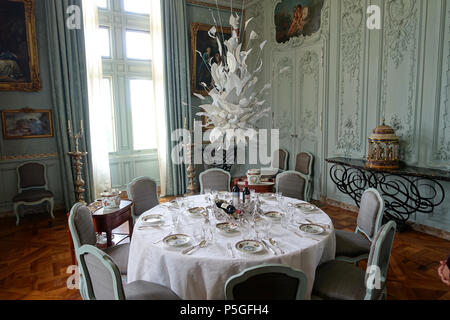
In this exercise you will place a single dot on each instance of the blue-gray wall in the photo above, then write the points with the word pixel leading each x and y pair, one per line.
pixel 14 152
pixel 345 78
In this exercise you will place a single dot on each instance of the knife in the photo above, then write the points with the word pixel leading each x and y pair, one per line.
pixel 268 247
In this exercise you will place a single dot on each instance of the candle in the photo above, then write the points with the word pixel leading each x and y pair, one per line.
pixel 69 126
pixel 185 123
pixel 82 127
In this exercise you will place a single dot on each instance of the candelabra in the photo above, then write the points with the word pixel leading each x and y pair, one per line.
pixel 78 156
pixel 192 187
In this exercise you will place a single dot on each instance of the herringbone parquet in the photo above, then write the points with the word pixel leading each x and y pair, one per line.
pixel 34 258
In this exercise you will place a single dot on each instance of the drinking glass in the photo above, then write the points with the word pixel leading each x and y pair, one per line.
pixel 266 226
pixel 175 220
pixel 259 228
pixel 209 232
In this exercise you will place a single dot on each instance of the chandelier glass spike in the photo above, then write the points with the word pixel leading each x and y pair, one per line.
pixel 236 103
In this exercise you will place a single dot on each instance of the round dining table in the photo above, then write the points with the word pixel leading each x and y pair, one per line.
pixel 202 274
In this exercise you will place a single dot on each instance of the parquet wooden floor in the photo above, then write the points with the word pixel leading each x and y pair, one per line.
pixel 34 258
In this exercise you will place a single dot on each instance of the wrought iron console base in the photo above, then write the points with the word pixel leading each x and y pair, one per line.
pixel 406 190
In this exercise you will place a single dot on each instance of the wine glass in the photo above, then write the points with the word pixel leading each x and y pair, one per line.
pixel 175 220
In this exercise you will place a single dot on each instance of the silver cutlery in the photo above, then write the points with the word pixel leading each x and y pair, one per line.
pixel 275 244
pixel 231 249
pixel 162 239
pixel 200 245
pixel 269 248
pixel 304 236
pixel 152 227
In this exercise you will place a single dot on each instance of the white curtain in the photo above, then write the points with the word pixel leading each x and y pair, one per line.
pixel 158 87
pixel 98 127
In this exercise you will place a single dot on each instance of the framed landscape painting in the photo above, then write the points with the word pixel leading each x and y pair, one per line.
pixel 295 18
pixel 19 66
pixel 27 123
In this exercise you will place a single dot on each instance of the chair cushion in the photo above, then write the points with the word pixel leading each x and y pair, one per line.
pixel 143 192
pixel 338 280
pixel 302 163
pixel 292 185
pixel 143 290
pixel 119 254
pixel 33 195
pixel 32 175
pixel 350 244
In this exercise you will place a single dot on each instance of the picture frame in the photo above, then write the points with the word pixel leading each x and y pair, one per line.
pixel 19 63
pixel 27 124
pixel 297 18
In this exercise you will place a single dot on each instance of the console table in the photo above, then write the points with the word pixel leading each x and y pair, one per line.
pixel 406 190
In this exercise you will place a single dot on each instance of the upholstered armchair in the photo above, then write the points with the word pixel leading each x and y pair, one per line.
pixel 304 165
pixel 355 246
pixel 267 282
pixel 292 184
pixel 215 179
pixel 283 159
pixel 103 280
pixel 144 194
pixel 338 280
pixel 32 188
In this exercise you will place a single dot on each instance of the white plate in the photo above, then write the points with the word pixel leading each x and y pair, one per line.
pixel 306 207
pixel 273 215
pixel 269 196
pixel 197 212
pixel 177 240
pixel 153 220
pixel 249 246
pixel 312 228
pixel 228 228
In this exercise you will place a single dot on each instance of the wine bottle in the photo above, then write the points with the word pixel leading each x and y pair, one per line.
pixel 236 193
pixel 228 208
pixel 246 193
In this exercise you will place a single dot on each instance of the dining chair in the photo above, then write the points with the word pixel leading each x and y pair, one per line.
pixel 292 184
pixel 81 228
pixel 339 280
pixel 304 165
pixel 143 191
pixel 32 188
pixel 355 246
pixel 267 282
pixel 215 179
pixel 280 159
pixel 103 280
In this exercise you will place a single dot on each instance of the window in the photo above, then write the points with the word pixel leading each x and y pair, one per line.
pixel 138 45
pixel 127 89
pixel 105 42
pixel 143 112
pixel 137 6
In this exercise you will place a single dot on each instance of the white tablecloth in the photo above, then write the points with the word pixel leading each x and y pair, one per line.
pixel 202 275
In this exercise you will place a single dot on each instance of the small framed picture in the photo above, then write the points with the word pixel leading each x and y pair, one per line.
pixel 27 123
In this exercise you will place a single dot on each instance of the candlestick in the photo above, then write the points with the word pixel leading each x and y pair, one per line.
pixel 78 161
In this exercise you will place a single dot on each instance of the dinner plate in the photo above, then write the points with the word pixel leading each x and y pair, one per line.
pixel 249 246
pixel 306 207
pixel 273 215
pixel 269 196
pixel 177 240
pixel 312 228
pixel 153 219
pixel 228 228
pixel 197 212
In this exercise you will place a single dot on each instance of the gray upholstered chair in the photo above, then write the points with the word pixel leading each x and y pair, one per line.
pixel 215 179
pixel 82 230
pixel 280 159
pixel 355 246
pixel 292 184
pixel 267 282
pixel 144 194
pixel 103 281
pixel 32 188
pixel 338 280
pixel 304 165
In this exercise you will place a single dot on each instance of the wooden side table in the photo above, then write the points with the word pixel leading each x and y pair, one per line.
pixel 108 220
pixel 264 187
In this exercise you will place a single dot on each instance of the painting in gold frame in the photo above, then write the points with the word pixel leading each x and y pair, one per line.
pixel 19 65
pixel 27 123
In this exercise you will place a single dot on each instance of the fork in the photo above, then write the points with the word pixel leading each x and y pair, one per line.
pixel 275 244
